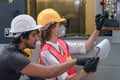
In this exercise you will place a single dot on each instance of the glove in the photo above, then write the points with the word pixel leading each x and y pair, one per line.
pixel 99 20
pixel 82 61
pixel 91 65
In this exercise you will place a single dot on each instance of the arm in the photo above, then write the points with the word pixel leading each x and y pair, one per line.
pixel 90 66
pixel 18 63
pixel 89 43
pixel 37 70
pixel 77 75
pixel 77 47
pixel 33 69
pixel 83 47
pixel 99 22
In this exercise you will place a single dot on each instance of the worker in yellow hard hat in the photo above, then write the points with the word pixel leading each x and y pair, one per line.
pixel 56 50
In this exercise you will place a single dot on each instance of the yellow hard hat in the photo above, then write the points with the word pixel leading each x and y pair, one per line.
pixel 48 16
pixel 28 52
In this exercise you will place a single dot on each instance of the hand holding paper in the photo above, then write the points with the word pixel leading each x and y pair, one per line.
pixel 102 49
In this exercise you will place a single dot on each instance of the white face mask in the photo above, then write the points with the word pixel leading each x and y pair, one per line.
pixel 62 31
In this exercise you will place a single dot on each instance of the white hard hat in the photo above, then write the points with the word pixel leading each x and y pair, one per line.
pixel 23 23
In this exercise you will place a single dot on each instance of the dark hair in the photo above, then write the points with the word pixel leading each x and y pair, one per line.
pixel 45 34
pixel 24 34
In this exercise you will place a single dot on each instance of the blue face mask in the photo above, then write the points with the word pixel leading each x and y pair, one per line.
pixel 62 31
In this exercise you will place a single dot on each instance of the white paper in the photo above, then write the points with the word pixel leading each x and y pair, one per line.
pixel 102 49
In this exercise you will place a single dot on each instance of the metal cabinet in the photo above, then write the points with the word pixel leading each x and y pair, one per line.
pixel 8 10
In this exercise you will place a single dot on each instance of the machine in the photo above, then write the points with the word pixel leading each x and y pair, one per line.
pixel 112 7
pixel 9 9
pixel 108 69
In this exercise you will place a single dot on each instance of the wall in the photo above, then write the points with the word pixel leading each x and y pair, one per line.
pixel 90 14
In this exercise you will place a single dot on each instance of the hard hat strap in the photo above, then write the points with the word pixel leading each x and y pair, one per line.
pixel 15 35
pixel 48 25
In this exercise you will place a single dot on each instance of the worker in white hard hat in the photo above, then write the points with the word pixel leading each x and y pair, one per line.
pixel 56 50
pixel 13 60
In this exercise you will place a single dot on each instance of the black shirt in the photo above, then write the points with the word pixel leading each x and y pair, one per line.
pixel 12 61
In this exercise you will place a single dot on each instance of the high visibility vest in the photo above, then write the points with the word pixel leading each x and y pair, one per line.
pixel 57 55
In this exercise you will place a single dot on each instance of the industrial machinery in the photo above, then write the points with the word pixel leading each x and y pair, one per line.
pixel 108 69
pixel 112 7
pixel 8 10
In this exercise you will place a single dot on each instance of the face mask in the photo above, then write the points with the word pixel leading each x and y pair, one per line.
pixel 62 31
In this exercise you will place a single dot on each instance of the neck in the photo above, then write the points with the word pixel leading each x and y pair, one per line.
pixel 21 46
pixel 53 39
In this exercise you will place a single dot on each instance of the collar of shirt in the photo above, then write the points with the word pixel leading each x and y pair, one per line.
pixel 56 46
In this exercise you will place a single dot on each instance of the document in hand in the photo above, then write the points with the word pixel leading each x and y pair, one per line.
pixel 102 49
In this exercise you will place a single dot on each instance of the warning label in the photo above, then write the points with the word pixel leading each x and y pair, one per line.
pixel 7 32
